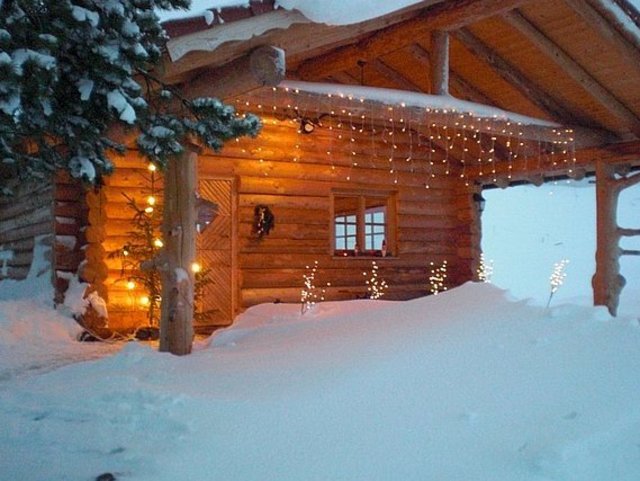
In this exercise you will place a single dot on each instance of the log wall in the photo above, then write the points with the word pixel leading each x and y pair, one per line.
pixel 295 174
pixel 52 209
pixel 23 217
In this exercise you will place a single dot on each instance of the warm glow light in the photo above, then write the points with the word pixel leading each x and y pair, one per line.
pixel 151 200
pixel 151 167
pixel 148 210
pixel 158 243
pixel 144 300
pixel 195 267
pixel 131 285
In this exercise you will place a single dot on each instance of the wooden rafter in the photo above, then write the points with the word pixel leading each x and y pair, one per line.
pixel 605 29
pixel 447 15
pixel 575 70
pixel 619 18
pixel 510 73
pixel 396 77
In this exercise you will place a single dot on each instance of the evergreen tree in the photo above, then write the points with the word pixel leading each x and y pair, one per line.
pixel 70 70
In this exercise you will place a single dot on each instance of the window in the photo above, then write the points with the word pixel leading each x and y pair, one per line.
pixel 362 224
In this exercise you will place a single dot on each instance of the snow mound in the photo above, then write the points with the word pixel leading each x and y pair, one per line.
pixel 467 385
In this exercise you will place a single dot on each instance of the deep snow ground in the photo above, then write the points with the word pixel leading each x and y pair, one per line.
pixel 467 385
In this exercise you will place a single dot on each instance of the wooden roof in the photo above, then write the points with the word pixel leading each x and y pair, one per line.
pixel 574 62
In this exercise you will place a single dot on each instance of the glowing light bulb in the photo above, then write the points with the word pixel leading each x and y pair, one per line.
pixel 131 285
pixel 152 167
pixel 148 209
pixel 151 200
pixel 144 300
pixel 195 267
pixel 158 243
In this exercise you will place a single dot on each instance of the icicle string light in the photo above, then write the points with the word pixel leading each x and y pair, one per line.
pixel 458 143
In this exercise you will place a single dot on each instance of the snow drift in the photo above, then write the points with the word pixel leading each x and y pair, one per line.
pixel 467 385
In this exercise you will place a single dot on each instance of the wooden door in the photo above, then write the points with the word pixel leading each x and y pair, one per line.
pixel 216 254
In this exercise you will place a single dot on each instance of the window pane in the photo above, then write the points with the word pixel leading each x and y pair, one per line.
pixel 378 217
pixel 351 219
pixel 351 243
pixel 378 229
pixel 340 230
pixel 351 230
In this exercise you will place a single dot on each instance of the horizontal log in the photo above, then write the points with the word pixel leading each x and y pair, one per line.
pixel 389 173
pixel 424 221
pixel 261 278
pixel 300 261
pixel 285 215
pixel 36 216
pixel 251 297
pixel 17 273
pixel 285 201
pixel 288 231
pixel 27 232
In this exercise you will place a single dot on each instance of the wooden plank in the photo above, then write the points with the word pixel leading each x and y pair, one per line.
pixel 576 71
pixel 394 76
pixel 510 73
pixel 607 30
pixel 449 15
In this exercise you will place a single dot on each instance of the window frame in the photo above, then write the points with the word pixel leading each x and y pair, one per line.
pixel 362 195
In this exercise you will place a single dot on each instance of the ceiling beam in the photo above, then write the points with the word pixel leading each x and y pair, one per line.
pixel 620 18
pixel 512 75
pixel 446 15
pixel 606 30
pixel 393 75
pixel 575 71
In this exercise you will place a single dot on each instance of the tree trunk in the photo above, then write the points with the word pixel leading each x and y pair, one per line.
pixel 607 281
pixel 179 231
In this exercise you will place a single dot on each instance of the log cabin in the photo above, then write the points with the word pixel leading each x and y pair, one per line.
pixel 378 138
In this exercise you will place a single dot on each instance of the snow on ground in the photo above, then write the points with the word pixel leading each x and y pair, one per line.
pixel 467 385
pixel 527 229
pixel 33 336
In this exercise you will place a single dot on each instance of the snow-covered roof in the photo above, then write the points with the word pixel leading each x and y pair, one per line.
pixel 331 12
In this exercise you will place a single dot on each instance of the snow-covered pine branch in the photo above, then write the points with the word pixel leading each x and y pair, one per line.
pixel 71 70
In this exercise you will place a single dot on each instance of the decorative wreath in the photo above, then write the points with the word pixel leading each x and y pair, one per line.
pixel 263 220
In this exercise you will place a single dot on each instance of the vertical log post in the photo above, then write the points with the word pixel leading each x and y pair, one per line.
pixel 607 281
pixel 440 63
pixel 179 230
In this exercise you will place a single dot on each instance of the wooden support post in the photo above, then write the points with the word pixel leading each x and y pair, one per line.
pixel 440 63
pixel 607 280
pixel 179 230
